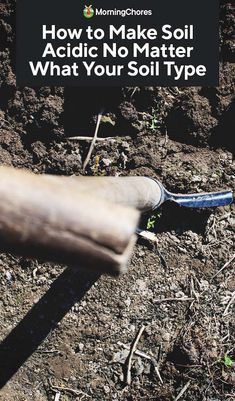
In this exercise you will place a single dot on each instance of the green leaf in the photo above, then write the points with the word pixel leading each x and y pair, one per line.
pixel 152 220
pixel 228 361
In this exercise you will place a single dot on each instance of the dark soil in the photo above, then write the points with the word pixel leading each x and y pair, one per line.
pixel 61 328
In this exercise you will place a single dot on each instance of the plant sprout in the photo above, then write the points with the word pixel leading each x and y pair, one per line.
pixel 227 361
pixel 151 223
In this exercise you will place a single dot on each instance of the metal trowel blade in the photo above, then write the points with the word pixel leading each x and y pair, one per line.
pixel 201 200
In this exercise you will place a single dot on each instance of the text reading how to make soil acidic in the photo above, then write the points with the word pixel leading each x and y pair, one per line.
pixel 163 59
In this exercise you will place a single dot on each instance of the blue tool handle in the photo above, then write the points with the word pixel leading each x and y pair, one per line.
pixel 201 200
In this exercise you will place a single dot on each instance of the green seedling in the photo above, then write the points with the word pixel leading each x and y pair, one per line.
pixel 227 361
pixel 154 124
pixel 151 223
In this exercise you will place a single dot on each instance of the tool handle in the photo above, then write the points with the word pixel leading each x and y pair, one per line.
pixel 142 193
pixel 43 217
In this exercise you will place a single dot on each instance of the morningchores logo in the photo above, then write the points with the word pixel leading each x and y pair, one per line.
pixel 88 11
pixel 128 12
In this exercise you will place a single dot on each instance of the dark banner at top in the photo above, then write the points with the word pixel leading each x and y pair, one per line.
pixel 124 43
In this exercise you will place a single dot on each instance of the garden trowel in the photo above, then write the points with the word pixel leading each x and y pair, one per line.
pixel 146 194
pixel 82 220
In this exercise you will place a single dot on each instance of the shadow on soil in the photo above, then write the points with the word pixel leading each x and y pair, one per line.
pixel 69 288
pixel 180 219
pixel 81 105
pixel 223 133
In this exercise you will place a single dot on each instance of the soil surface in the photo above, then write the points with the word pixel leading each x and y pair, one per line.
pixel 63 330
